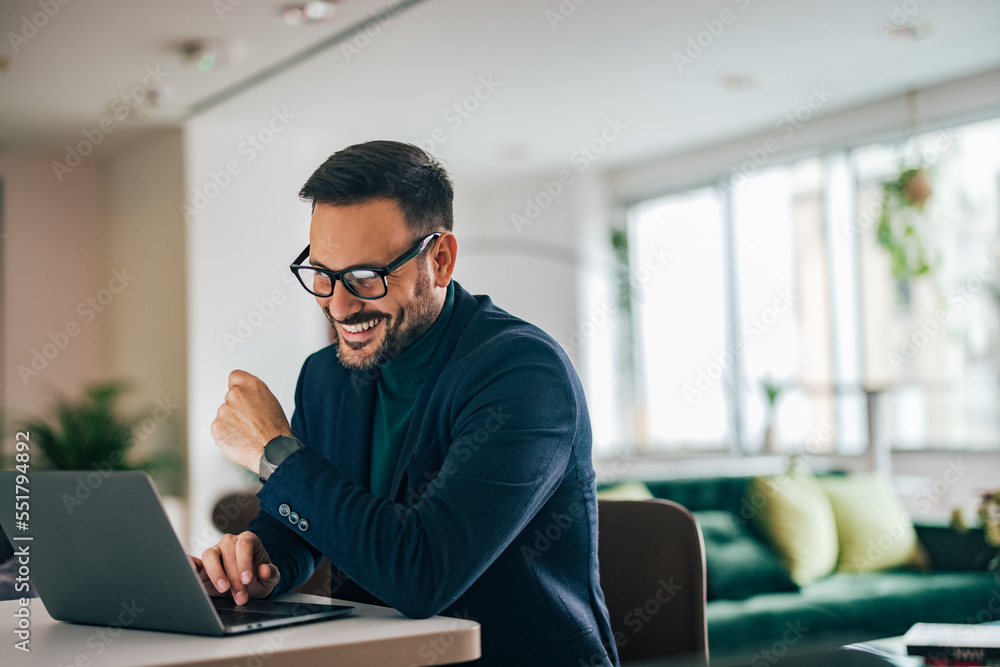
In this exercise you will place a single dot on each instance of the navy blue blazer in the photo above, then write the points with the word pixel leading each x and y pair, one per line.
pixel 492 513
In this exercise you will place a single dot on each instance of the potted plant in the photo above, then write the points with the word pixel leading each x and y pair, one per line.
pixel 898 230
pixel 772 391
pixel 91 433
pixel 989 516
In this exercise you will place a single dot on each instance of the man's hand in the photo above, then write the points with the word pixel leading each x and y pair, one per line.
pixel 238 563
pixel 247 420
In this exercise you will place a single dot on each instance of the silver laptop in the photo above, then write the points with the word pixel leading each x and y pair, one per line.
pixel 101 551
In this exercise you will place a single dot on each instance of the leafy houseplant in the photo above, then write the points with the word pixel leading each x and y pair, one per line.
pixel 903 200
pixel 772 391
pixel 90 433
pixel 989 516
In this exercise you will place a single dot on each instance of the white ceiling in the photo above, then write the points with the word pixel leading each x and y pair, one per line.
pixel 557 84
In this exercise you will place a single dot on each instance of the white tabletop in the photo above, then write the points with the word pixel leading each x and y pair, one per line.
pixel 375 636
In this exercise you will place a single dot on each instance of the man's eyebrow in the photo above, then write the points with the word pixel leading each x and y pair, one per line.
pixel 359 265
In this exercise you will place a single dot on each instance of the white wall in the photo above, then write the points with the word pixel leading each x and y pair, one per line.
pixel 239 245
pixel 547 259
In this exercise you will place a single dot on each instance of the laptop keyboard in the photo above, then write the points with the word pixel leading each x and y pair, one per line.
pixel 243 616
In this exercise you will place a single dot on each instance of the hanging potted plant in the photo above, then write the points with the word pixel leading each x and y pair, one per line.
pixel 898 231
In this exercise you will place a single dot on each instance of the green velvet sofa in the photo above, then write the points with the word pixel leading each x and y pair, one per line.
pixel 754 609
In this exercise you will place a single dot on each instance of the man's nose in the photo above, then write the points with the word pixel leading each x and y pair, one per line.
pixel 341 303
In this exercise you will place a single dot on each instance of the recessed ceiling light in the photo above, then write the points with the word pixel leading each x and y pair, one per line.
pixel 739 82
pixel 208 54
pixel 514 150
pixel 317 11
pixel 908 32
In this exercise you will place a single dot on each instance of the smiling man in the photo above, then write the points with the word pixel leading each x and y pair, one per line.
pixel 440 450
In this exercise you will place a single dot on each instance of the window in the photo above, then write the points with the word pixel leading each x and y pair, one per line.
pixel 776 280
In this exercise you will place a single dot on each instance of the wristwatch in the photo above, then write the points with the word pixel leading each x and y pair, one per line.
pixel 276 451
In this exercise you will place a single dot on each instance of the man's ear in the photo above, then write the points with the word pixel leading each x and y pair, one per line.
pixel 443 259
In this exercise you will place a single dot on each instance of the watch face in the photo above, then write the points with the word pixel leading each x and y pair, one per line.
pixel 279 448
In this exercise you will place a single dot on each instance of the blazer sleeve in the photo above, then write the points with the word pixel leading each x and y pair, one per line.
pixel 295 558
pixel 514 420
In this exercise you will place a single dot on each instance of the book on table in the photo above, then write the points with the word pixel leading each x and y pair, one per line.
pixel 955 642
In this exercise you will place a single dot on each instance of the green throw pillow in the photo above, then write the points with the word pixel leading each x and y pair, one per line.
pixel 737 564
pixel 792 510
pixel 873 529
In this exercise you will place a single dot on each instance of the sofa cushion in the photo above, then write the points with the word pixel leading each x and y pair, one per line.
pixel 737 563
pixel 853 606
pixel 795 515
pixel 873 530
pixel 709 493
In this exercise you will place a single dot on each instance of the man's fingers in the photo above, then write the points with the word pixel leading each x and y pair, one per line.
pixel 267 572
pixel 238 563
pixel 214 571
pixel 233 570
pixel 238 377
pixel 200 570
pixel 246 551
pixel 266 579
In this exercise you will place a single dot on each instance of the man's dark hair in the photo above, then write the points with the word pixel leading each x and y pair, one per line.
pixel 391 170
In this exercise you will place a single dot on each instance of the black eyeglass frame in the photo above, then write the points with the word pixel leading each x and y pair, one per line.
pixel 383 273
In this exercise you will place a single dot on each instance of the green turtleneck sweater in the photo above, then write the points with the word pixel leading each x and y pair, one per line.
pixel 398 386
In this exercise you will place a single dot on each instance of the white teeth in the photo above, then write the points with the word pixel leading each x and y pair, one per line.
pixel 358 328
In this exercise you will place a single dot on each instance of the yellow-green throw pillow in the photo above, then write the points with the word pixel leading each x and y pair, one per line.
pixel 625 491
pixel 874 531
pixel 794 513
